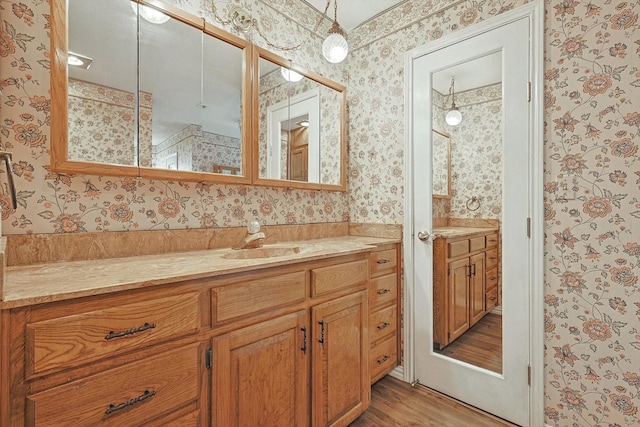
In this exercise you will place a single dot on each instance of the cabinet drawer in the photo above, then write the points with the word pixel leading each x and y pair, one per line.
pixel 255 296
pixel 71 341
pixel 382 323
pixel 476 244
pixel 491 240
pixel 383 290
pixel 491 278
pixel 492 258
pixel 325 280
pixel 382 358
pixel 458 248
pixel 491 298
pixel 126 396
pixel 383 261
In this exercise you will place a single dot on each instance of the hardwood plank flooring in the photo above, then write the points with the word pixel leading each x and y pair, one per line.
pixel 397 404
pixel 481 345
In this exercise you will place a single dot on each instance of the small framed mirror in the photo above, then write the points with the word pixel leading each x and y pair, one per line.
pixel 301 126
pixel 441 164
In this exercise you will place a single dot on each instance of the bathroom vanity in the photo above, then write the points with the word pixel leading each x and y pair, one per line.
pixel 465 280
pixel 287 336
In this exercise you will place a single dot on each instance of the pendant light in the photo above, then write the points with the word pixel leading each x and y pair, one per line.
pixel 335 47
pixel 150 14
pixel 453 117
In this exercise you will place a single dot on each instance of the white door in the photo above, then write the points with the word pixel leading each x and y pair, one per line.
pixel 504 394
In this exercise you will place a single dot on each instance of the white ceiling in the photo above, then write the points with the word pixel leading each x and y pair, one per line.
pixel 352 13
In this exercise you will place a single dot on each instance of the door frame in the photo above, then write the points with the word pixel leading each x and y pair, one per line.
pixel 534 12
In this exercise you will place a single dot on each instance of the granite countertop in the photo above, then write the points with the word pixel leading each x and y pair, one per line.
pixel 449 232
pixel 40 283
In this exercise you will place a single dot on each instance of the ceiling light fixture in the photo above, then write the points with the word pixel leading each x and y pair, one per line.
pixel 290 75
pixel 77 60
pixel 303 123
pixel 335 47
pixel 453 117
pixel 150 14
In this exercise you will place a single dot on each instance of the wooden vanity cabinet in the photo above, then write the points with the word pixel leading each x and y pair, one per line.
pixel 308 367
pixel 260 373
pixel 124 359
pixel 286 345
pixel 384 310
pixel 464 283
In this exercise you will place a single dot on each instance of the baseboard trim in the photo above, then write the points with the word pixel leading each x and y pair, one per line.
pixel 398 373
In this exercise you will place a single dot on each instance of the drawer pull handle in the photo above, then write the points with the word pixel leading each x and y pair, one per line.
pixel 493 258
pixel 112 334
pixel 384 359
pixel 321 340
pixel 304 340
pixel 384 291
pixel 113 408
pixel 383 326
pixel 492 278
pixel 383 261
pixel 493 298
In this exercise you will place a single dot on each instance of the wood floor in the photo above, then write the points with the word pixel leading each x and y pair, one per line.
pixel 481 345
pixel 397 404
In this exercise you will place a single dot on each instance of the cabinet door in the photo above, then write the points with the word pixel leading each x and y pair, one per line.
pixel 458 298
pixel 477 288
pixel 340 363
pixel 261 374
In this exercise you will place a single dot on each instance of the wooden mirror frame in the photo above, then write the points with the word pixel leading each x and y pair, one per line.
pixel 60 161
pixel 255 161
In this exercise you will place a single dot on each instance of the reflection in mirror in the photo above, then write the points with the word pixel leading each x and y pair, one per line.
pixel 467 257
pixel 171 83
pixel 147 92
pixel 102 83
pixel 441 142
pixel 300 126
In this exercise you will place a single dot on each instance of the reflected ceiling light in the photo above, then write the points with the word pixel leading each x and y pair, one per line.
pixel 77 60
pixel 290 75
pixel 453 117
pixel 304 123
pixel 150 14
pixel 335 47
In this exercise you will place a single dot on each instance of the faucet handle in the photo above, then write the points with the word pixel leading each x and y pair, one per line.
pixel 253 227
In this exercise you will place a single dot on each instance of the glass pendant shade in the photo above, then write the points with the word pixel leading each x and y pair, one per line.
pixel 290 75
pixel 335 47
pixel 150 14
pixel 453 117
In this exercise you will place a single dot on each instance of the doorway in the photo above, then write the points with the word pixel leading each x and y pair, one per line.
pixel 479 268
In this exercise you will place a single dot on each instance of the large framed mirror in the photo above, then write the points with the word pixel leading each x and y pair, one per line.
pixel 300 132
pixel 146 89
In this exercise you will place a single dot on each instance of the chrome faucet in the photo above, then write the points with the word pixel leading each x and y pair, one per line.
pixel 254 237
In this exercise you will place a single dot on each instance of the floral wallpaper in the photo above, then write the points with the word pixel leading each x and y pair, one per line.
pixel 476 154
pixel 53 203
pixel 193 149
pixel 102 125
pixel 592 120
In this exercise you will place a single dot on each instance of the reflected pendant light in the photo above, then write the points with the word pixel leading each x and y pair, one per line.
pixel 335 47
pixel 453 117
pixel 150 14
